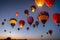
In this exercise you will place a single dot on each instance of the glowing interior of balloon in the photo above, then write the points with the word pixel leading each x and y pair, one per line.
pixel 40 3
pixel 33 10
pixel 44 17
pixel 16 14
pixel 13 21
pixel 21 25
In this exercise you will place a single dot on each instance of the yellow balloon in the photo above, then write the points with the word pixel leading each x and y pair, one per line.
pixel 13 22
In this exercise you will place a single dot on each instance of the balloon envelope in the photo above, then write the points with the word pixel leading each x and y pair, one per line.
pixel 49 3
pixel 30 20
pixel 21 23
pixel 4 20
pixel 27 28
pixel 26 12
pixel 56 18
pixel 36 23
pixel 18 29
pixel 33 8
pixel 13 22
pixel 39 3
pixel 17 13
pixel 3 23
pixel 43 16
pixel 50 32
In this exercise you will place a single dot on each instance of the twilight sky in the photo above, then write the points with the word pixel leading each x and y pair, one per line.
pixel 8 9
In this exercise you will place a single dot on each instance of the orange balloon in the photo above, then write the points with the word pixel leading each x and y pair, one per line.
pixel 17 13
pixel 39 3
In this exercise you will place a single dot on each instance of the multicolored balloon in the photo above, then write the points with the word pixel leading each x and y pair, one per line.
pixel 43 16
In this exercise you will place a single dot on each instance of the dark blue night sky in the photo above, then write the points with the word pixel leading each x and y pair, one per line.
pixel 8 10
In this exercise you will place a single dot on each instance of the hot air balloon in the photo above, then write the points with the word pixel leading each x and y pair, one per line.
pixel 33 8
pixel 56 18
pixel 17 13
pixel 26 12
pixel 13 22
pixel 41 35
pixel 3 23
pixel 18 29
pixel 4 30
pixel 50 32
pixel 47 33
pixel 39 3
pixel 27 28
pixel 43 16
pixel 21 23
pixel 49 3
pixel 4 20
pixel 36 23
pixel 10 32
pixel 30 20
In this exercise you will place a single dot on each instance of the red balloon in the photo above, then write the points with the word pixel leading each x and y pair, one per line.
pixel 21 23
pixel 50 32
pixel 49 3
pixel 30 20
pixel 56 18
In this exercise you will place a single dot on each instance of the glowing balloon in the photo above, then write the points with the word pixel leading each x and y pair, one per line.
pixel 33 8
pixel 17 13
pixel 26 12
pixel 30 20
pixel 56 18
pixel 39 3
pixel 43 16
pixel 49 3
pixel 13 22
pixel 21 23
